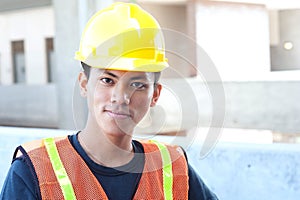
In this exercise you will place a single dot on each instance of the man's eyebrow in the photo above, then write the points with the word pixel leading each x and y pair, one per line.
pixel 111 74
pixel 139 78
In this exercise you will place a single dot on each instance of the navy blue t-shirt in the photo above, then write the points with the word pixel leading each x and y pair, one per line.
pixel 118 183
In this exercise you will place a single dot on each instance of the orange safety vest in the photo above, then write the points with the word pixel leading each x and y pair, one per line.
pixel 152 185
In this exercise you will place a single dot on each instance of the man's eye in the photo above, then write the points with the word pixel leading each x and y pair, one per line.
pixel 138 85
pixel 107 81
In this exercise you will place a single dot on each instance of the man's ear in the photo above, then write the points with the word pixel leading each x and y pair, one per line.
pixel 156 94
pixel 82 80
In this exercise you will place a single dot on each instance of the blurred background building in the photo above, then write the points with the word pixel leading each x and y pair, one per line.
pixel 254 45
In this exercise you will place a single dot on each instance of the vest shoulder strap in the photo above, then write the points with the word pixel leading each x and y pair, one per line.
pixel 53 181
pixel 165 172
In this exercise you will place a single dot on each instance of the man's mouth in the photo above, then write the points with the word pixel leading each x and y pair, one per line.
pixel 118 114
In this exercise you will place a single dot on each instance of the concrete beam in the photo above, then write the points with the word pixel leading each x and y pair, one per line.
pixel 25 105
pixel 7 5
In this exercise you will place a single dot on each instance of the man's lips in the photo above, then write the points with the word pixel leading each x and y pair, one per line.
pixel 118 114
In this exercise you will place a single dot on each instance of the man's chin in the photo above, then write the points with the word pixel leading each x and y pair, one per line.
pixel 119 131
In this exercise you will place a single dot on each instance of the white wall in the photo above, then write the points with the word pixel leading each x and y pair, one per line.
pixel 236 37
pixel 32 26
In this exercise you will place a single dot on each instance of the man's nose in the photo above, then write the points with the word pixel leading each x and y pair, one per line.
pixel 121 94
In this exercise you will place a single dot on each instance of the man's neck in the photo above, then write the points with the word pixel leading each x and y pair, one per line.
pixel 107 150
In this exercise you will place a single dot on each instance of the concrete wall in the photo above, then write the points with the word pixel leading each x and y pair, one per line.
pixel 33 26
pixel 263 105
pixel 252 105
pixel 249 171
pixel 29 106
pixel 233 171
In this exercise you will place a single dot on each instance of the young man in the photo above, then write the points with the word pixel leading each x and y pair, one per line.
pixel 122 55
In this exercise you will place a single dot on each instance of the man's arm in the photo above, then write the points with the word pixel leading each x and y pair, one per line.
pixel 19 182
pixel 197 188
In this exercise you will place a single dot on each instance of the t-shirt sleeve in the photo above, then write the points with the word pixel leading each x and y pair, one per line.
pixel 197 188
pixel 20 182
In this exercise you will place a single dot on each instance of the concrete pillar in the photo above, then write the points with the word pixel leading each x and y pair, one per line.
pixel 70 18
pixel 66 68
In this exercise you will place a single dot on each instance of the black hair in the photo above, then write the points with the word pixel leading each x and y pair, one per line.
pixel 87 70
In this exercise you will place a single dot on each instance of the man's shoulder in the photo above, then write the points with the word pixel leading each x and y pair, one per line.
pixel 19 181
pixel 197 187
pixel 35 145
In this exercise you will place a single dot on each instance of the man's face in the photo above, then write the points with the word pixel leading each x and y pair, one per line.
pixel 118 100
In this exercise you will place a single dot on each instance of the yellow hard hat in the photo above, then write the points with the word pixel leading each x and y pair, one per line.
pixel 123 37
